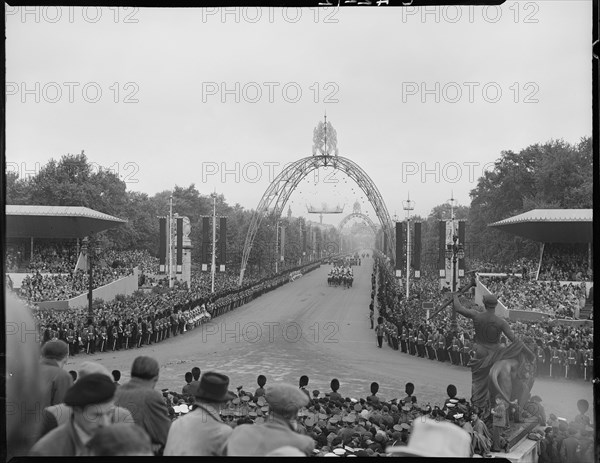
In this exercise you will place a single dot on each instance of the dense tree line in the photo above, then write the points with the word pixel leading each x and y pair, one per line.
pixel 555 174
pixel 72 181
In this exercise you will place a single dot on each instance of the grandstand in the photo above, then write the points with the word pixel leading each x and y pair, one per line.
pixel 565 237
pixel 44 242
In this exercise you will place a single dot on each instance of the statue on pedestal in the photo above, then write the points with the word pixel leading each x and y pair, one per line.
pixel 497 368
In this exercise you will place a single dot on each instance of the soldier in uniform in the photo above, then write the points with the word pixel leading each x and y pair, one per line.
pixel 412 341
pixel 135 333
pixel 554 363
pixel 103 336
pixel 128 333
pixel 421 343
pixel 404 339
pixel 589 365
pixel 114 335
pixel 90 346
pixel 54 332
pixel 464 354
pixel 143 331
pixel 441 346
pixel 564 366
pixel 150 329
pixel 455 350
pixel 429 346
pixel 541 361
pixel 571 363
pixel 71 339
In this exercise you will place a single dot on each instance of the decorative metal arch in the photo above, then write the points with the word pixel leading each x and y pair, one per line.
pixel 280 190
pixel 359 215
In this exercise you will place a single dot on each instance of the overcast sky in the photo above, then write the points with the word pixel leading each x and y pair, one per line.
pixel 142 92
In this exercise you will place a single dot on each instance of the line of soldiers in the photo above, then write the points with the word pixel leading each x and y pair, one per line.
pixel 136 330
pixel 430 343
pixel 560 361
pixel 119 334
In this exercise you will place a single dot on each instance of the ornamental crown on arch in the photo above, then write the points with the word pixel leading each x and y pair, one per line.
pixel 324 140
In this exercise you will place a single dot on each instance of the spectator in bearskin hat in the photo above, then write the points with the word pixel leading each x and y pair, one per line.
pixel 334 394
pixel 260 439
pixel 260 391
pixel 91 400
pixel 201 432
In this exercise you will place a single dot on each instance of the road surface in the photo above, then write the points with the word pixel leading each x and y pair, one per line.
pixel 308 328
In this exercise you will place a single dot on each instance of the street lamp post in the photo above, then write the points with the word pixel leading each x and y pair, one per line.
pixel 408 206
pixel 214 247
pixel 90 249
pixel 276 247
pixel 454 251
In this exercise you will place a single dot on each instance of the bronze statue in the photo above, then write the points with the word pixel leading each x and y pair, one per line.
pixel 496 367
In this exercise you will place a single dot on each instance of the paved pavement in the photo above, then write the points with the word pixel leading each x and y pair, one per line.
pixel 307 327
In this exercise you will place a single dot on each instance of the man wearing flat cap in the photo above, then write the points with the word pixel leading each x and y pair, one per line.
pixel 201 432
pixel 259 439
pixel 92 402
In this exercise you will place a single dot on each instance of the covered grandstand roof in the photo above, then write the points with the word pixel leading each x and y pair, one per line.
pixel 56 221
pixel 551 225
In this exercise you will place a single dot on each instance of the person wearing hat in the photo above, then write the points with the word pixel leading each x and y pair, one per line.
pixel 334 394
pixel 91 399
pixel 144 402
pixel 120 439
pixel 259 439
pixel 434 439
pixel 59 414
pixel 202 432
pixel 54 379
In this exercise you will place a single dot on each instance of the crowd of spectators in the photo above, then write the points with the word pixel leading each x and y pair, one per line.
pixel 565 263
pixel 131 258
pixel 38 287
pixel 95 415
pixel 562 351
pixel 549 297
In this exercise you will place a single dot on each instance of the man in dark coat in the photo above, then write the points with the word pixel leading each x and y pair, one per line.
pixel 144 402
pixel 55 381
pixel 91 401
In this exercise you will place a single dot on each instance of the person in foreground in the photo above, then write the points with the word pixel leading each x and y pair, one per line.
pixel 278 431
pixel 201 432
pixel 91 400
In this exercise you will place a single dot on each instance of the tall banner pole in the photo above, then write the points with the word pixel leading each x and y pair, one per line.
pixel 214 247
pixel 171 241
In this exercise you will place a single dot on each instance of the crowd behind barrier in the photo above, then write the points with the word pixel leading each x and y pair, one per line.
pixel 562 351
pixel 559 301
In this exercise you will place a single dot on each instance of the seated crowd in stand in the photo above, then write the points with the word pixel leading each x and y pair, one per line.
pixel 38 288
pixel 552 298
pixel 565 263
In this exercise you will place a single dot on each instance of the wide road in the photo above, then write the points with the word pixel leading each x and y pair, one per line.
pixel 307 327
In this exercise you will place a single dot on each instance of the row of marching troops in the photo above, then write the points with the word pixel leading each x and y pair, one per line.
pixel 124 334
pixel 559 361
